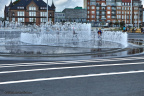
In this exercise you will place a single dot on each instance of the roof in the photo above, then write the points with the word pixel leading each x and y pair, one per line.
pixel 6 9
pixel 24 3
pixel 78 7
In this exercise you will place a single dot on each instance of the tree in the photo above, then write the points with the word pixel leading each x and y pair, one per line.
pixel 110 24
pixel 122 23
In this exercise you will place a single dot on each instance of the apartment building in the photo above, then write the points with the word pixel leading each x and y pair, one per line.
pixel 29 11
pixel 106 11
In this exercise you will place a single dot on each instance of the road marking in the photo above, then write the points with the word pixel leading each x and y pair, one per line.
pixel 71 77
pixel 73 67
pixel 66 62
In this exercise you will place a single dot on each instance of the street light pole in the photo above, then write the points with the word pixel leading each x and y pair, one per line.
pixel 125 17
pixel 131 12
pixel 47 10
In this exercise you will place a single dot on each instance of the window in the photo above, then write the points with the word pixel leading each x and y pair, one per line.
pixel 108 16
pixel 93 12
pixel 32 8
pixel 21 19
pixel 108 20
pixel 97 8
pixel 13 19
pixel 32 13
pixel 92 7
pixel 93 16
pixel 20 13
pixel 88 12
pixel 119 8
pixel 43 14
pixel 43 19
pixel 108 8
pixel 108 12
pixel 32 19
pixel 43 7
pixel 20 7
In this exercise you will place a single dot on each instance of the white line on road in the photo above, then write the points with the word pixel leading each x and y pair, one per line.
pixel 73 67
pixel 67 62
pixel 71 77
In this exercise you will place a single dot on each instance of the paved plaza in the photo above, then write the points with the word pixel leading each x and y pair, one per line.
pixel 111 76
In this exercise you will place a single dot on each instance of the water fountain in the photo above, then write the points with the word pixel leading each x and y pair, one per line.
pixel 56 39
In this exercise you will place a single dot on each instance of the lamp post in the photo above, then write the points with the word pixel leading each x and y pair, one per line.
pixel 47 10
pixel 125 16
pixel 131 12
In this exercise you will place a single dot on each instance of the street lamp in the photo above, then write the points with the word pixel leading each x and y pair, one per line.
pixel 131 12
pixel 125 16
pixel 47 10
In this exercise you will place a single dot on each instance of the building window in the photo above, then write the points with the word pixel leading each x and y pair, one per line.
pixel 32 8
pixel 93 16
pixel 43 7
pixel 88 12
pixel 108 12
pixel 32 19
pixel 20 7
pixel 97 8
pixel 13 19
pixel 43 14
pixel 20 13
pixel 108 8
pixel 93 12
pixel 108 20
pixel 32 13
pixel 108 16
pixel 92 7
pixel 21 19
pixel 43 19
pixel 50 14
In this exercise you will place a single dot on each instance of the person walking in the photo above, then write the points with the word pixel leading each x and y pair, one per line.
pixel 99 33
pixel 124 29
pixel 142 30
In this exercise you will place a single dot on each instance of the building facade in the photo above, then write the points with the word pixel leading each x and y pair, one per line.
pixel 77 14
pixel 29 11
pixel 60 17
pixel 114 11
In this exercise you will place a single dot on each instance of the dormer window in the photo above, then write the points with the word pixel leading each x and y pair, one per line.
pixel 20 7
pixel 32 8
pixel 43 7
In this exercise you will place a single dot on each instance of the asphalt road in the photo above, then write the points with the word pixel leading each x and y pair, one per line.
pixel 122 76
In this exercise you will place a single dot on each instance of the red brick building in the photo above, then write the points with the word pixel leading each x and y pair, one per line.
pixel 106 11
pixel 29 11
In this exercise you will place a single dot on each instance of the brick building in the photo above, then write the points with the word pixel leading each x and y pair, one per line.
pixel 29 11
pixel 106 11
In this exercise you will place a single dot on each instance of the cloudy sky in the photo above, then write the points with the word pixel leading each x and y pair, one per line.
pixel 60 4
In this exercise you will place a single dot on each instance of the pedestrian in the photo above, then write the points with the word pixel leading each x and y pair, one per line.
pixel 127 29
pixel 124 29
pixel 142 30
pixel 99 33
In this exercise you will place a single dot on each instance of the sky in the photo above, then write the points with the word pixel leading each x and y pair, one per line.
pixel 60 4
